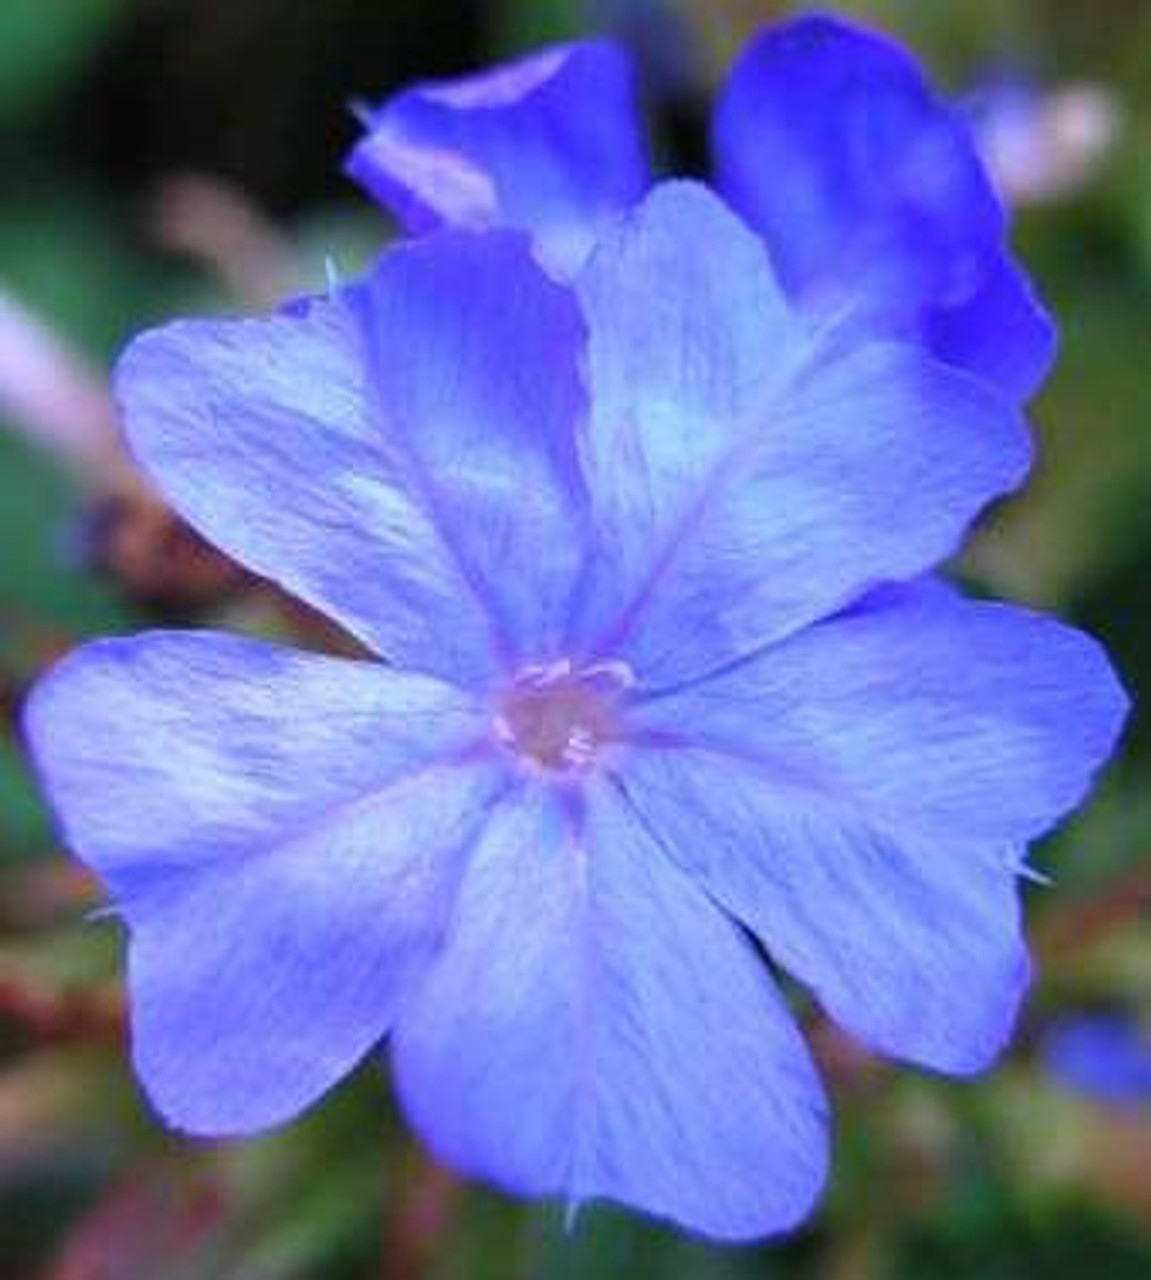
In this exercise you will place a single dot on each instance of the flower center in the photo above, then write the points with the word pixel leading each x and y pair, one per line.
pixel 558 718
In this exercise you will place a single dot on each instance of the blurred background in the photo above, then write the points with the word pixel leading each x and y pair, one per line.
pixel 162 157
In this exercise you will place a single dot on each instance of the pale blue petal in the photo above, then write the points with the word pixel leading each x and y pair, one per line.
pixel 909 940
pixel 595 1027
pixel 282 834
pixel 749 476
pixel 860 797
pixel 473 353
pixel 276 440
pixel 550 144
pixel 925 710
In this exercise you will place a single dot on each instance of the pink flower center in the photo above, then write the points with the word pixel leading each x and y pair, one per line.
pixel 558 718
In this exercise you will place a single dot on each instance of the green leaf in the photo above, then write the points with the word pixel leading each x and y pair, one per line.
pixel 43 43
pixel 24 826
pixel 42 575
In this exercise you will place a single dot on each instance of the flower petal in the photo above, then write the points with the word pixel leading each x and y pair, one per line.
pixel 595 1027
pixel 277 441
pixel 926 711
pixel 550 144
pixel 859 794
pixel 872 198
pixel 473 353
pixel 282 833
pixel 173 749
pixel 912 942
pixel 1001 333
pixel 750 478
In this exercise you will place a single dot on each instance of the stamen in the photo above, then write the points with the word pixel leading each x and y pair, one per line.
pixel 558 718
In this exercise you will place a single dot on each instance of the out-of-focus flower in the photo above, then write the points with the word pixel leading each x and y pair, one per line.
pixel 1105 1056
pixel 1042 146
pixel 643 549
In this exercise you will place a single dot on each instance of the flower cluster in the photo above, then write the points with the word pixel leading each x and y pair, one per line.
pixel 638 493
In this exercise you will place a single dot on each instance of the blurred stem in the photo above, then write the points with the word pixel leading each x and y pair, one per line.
pixel 422 1218
pixel 216 224
pixel 49 893
pixel 153 1222
pixel 48 1014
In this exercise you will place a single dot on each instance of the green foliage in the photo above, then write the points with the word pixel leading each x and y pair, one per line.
pixel 42 42
pixel 43 576
pixel 25 830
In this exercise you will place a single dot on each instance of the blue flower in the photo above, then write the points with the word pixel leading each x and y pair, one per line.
pixel 868 192
pixel 1105 1056
pixel 666 686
